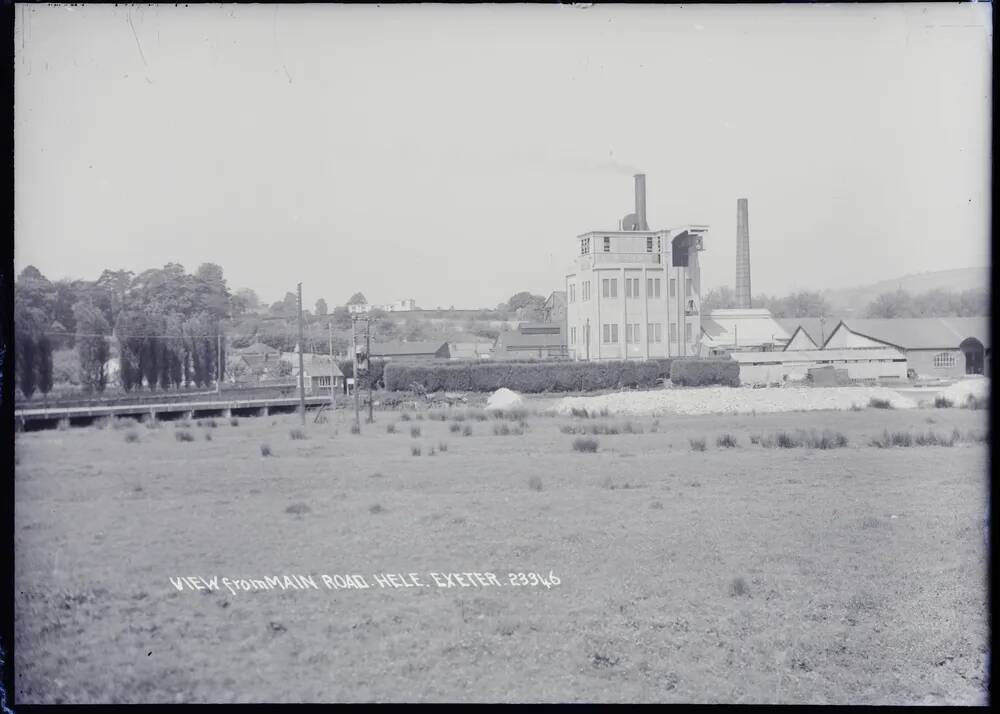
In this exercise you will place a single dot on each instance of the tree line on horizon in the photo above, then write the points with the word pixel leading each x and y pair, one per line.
pixel 166 327
pixel 974 302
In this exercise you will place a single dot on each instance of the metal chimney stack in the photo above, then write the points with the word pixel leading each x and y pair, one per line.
pixel 640 201
pixel 742 255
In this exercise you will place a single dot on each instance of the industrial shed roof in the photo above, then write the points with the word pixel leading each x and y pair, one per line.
pixel 818 328
pixel 922 333
pixel 725 328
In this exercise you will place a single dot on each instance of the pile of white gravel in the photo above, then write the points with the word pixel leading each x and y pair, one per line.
pixel 961 390
pixel 504 398
pixel 732 400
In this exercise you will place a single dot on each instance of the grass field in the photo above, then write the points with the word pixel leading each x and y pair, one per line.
pixel 738 573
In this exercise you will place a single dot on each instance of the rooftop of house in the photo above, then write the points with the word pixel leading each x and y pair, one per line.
pixel 258 348
pixel 396 349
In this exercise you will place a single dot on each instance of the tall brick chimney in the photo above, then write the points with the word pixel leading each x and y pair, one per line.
pixel 742 254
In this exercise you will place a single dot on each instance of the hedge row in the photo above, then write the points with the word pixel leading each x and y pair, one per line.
pixel 699 372
pixel 376 367
pixel 528 377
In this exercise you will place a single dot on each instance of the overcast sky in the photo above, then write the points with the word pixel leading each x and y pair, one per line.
pixel 452 153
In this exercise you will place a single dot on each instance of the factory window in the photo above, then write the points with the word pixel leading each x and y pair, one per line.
pixel 632 334
pixel 610 333
pixel 572 293
pixel 609 287
pixel 688 287
pixel 659 245
pixel 656 287
pixel 584 246
pixel 649 287
pixel 673 286
pixel 607 244
pixel 659 332
pixel 687 332
pixel 572 335
pixel 654 332
pixel 649 244
pixel 632 287
pixel 586 290
pixel 944 359
pixel 673 332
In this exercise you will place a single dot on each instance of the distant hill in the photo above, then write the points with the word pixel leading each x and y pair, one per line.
pixel 855 300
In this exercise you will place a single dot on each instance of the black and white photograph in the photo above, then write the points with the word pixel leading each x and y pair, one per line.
pixel 499 353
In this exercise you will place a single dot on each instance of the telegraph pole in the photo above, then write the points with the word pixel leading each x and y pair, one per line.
pixel 368 361
pixel 218 367
pixel 333 369
pixel 354 356
pixel 302 376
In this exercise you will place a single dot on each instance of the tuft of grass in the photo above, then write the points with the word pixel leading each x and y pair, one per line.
pixel 415 432
pixel 265 450
pixel 123 423
pixel 455 427
pixel 152 423
pixel 877 403
pixel 376 508
pixel 738 587
pixel 298 509
pixel 297 434
pixel 199 423
pixel 131 436
pixel 535 483
pixel 656 505
pixel 208 436
pixel 697 444
pixel 974 402
pixel 726 441
pixel 585 444
pixel 355 428
pixel 442 446
pixel 431 452
pixel 183 435
pixel 458 416
pixel 755 438
pixel 501 429
pixel 415 450
pixel 467 430
pixel 211 424
pixel 390 428
pixel 943 403
pixel 233 421
pixel 404 417
pixel 437 416
pixel 827 439
pixel 183 424
pixel 870 522
pixel 933 439
pixel 889 439
pixel 579 413
pixel 856 407
pixel 420 417
pixel 62 425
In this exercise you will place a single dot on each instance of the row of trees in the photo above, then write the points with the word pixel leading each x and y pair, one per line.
pixel 800 304
pixel 934 303
pixel 165 323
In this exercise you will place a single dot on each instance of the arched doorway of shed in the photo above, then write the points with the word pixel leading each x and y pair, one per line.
pixel 974 352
